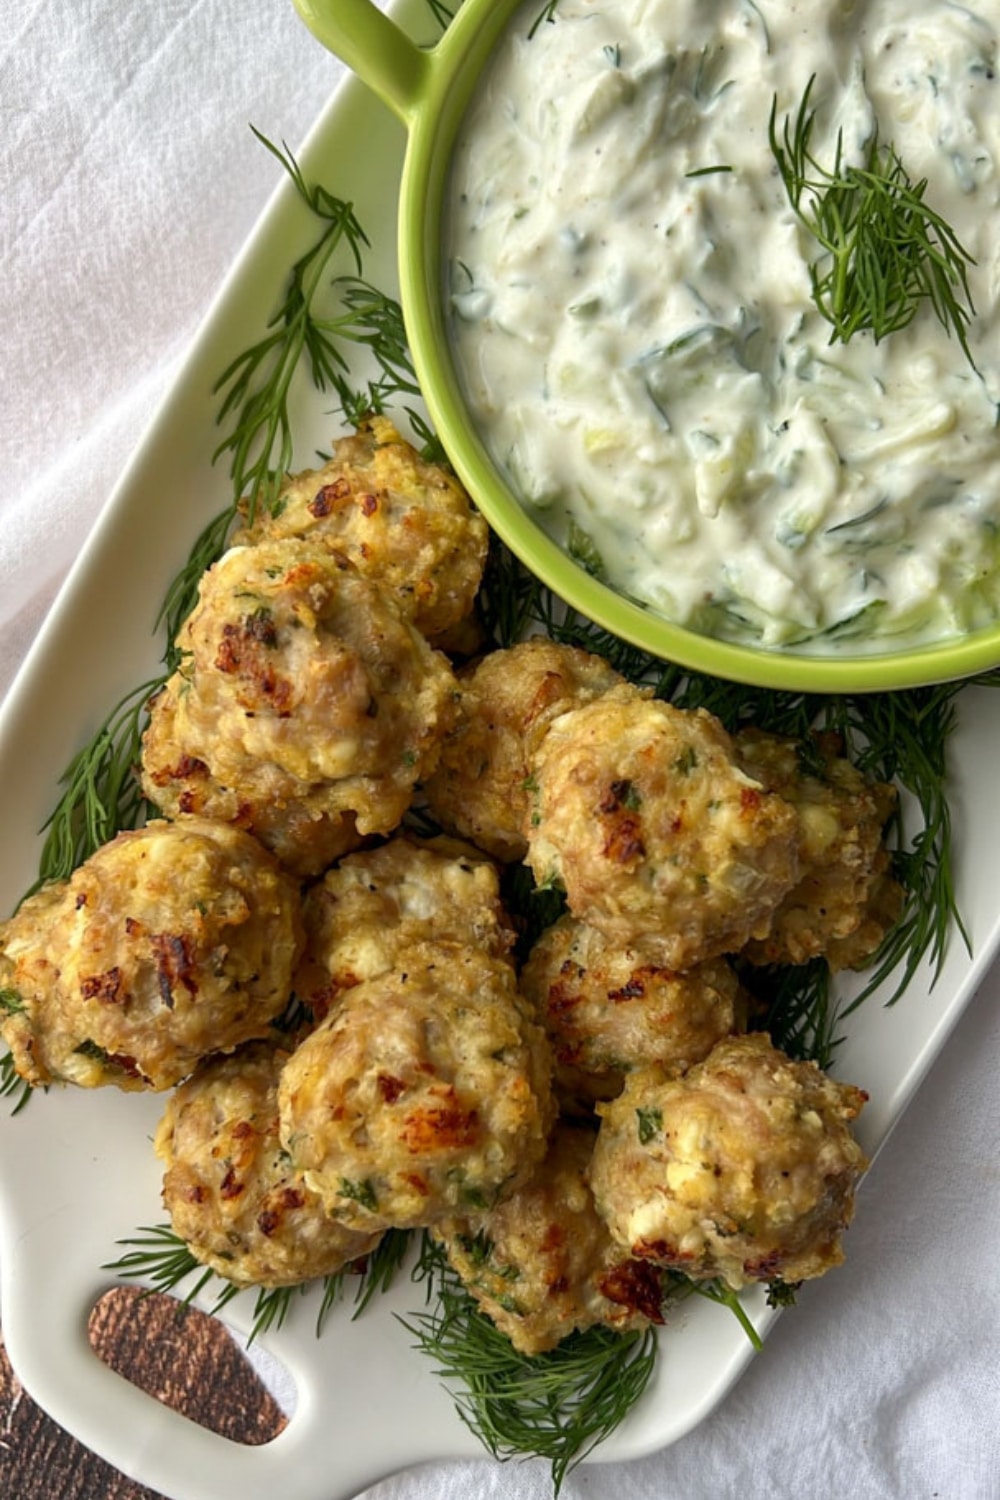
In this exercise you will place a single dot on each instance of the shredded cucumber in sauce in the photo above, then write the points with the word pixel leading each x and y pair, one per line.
pixel 634 327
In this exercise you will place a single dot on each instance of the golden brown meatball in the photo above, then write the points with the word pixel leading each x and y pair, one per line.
pixel 227 1185
pixel 542 1262
pixel 378 903
pixel 659 839
pixel 425 1093
pixel 507 701
pixel 170 942
pixel 743 1168
pixel 607 1009
pixel 303 826
pixel 405 523
pixel 303 687
pixel 844 900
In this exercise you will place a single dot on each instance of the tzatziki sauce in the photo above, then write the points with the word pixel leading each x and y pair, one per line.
pixel 633 321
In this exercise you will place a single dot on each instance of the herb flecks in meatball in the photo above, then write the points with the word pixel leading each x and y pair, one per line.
pixel 507 700
pixel 170 942
pixel 377 903
pixel 641 813
pixel 745 1167
pixel 542 1263
pixel 608 1009
pixel 425 1093
pixel 306 708
pixel 405 523
pixel 228 1186
pixel 845 899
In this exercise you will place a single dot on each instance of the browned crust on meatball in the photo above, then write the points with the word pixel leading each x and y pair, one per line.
pixel 228 1186
pixel 745 1167
pixel 659 839
pixel 404 522
pixel 480 788
pixel 542 1264
pixel 170 942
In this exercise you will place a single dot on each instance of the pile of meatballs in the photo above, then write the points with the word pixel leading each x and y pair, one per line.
pixel 351 1037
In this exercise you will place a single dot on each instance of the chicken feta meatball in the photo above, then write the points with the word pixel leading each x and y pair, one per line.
pixel 641 813
pixel 301 684
pixel 170 942
pixel 507 700
pixel 405 523
pixel 227 1185
pixel 542 1263
pixel 607 1009
pixel 380 902
pixel 303 826
pixel 425 1093
pixel 744 1168
pixel 845 899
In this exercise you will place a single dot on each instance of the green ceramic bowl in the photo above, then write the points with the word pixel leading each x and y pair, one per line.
pixel 429 89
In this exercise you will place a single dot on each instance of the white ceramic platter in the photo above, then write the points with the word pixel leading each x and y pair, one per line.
pixel 76 1169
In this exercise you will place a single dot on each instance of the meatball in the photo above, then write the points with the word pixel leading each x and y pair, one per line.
pixel 378 903
pixel 743 1168
pixel 542 1262
pixel 845 899
pixel 659 839
pixel 425 1093
pixel 170 942
pixel 607 1009
pixel 405 523
pixel 507 700
pixel 301 686
pixel 303 826
pixel 227 1185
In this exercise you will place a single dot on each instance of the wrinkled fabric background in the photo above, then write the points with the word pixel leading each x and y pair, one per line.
pixel 130 179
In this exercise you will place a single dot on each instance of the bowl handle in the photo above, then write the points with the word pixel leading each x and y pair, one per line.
pixel 373 46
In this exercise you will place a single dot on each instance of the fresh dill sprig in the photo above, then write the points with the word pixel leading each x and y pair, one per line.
pixel 547 13
pixel 904 737
pixel 101 795
pixel 794 1006
pixel 257 383
pixel 442 14
pixel 12 1085
pixel 157 1255
pixel 183 591
pixel 558 1405
pixel 724 1296
pixel 885 251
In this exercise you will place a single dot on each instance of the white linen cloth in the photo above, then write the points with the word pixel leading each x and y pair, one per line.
pixel 130 180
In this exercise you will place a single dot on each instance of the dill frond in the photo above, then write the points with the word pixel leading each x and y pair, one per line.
pixel 441 13
pixel 101 795
pixel 12 1085
pixel 557 1406
pixel 885 251
pixel 157 1255
pixel 256 384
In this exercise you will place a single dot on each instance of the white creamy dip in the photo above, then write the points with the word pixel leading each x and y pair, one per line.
pixel 636 333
